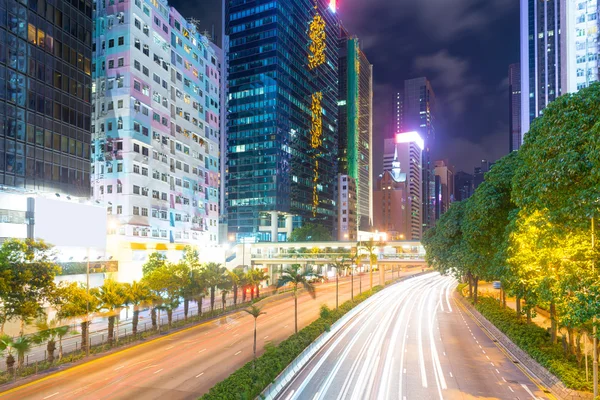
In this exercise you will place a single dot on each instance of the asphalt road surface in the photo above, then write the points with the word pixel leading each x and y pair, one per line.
pixel 414 342
pixel 187 364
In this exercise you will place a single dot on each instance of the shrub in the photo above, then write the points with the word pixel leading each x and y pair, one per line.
pixel 536 342
pixel 248 382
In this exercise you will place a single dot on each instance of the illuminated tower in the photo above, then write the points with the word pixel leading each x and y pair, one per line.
pixel 282 121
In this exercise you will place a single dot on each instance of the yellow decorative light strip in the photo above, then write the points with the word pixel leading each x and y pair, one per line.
pixel 315 194
pixel 316 129
pixel 316 33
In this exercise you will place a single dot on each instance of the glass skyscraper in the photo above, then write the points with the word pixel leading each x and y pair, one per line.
pixel 45 81
pixel 282 121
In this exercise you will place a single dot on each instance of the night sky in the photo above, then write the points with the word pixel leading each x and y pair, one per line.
pixel 463 46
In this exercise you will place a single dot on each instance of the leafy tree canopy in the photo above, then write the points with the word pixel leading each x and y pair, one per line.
pixel 310 233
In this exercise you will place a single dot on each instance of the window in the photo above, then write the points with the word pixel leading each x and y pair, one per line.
pixel 136 147
pixel 136 210
pixel 136 189
pixel 144 212
pixel 137 86
pixel 111 64
pixel 136 168
pixel 120 104
pixel 137 65
pixel 111 43
pixel 121 40
pixel 120 62
pixel 119 210
pixel 120 167
pixel 144 171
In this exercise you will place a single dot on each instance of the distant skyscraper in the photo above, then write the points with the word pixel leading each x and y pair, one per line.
pixel 45 84
pixel 283 112
pixel 463 186
pixel 444 187
pixel 514 107
pixel 559 52
pixel 416 111
pixel 356 124
pixel 479 173
pixel 402 172
pixel 155 149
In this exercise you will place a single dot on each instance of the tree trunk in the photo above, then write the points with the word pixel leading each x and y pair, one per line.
pixel 503 298
pixel 20 360
pixel 251 292
pixel 257 290
pixel 200 306
pixel 476 289
pixel 235 294
pixel 111 328
pixel 84 336
pixel 60 348
pixel 51 346
pixel 212 298
pixel 254 348
pixel 170 316
pixel 518 305
pixel 243 294
pixel 528 315
pixel 186 308
pixel 553 323
pixel 572 349
pixel 153 317
pixel 134 322
pixel 10 364
pixel 470 280
pixel 223 299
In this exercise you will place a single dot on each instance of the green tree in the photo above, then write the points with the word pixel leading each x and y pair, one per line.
pixel 155 260
pixel 191 267
pixel 310 233
pixel 111 296
pixel 369 248
pixel 213 276
pixel 258 276
pixel 139 296
pixel 255 312
pixel 164 284
pixel 48 332
pixel 79 304
pixel 236 277
pixel 298 277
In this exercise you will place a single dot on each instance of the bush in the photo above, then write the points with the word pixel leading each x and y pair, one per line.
pixel 536 342
pixel 248 382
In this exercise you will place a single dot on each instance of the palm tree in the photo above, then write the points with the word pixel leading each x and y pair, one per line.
pixel 369 247
pixel 111 296
pixel 259 276
pixel 191 265
pixel 235 277
pixel 21 345
pixel 213 273
pixel 296 277
pixel 255 312
pixel 339 264
pixel 6 346
pixel 49 331
pixel 138 295
pixel 78 303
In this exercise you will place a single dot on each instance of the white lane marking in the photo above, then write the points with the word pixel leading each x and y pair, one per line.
pixel 316 396
pixel 492 364
pixel 266 337
pixel 200 374
pixel 289 396
pixel 528 391
pixel 498 372
pixel 503 379
pixel 511 389
pixel 487 357
pixel 420 342
pixel 156 372
pixel 286 326
pixel 444 353
pixel 238 353
pixel 480 347
pixel 52 395
pixel 202 351
pixel 404 370
pixel 236 335
pixel 116 369
pixel 149 366
pixel 451 376
pixel 169 348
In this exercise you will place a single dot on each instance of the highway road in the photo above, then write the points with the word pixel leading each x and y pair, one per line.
pixel 187 364
pixel 415 342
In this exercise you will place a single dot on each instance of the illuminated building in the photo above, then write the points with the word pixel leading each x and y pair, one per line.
pixel 559 52
pixel 415 110
pixel 282 116
pixel 514 107
pixel 356 124
pixel 155 151
pixel 45 82
pixel 346 219
pixel 444 187
pixel 397 198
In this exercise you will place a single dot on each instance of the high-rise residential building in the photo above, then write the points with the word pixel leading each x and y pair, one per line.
pixel 416 111
pixel 156 105
pixel 346 227
pixel 45 84
pixel 559 52
pixel 356 124
pixel 463 186
pixel 282 121
pixel 401 180
pixel 444 187
pixel 514 107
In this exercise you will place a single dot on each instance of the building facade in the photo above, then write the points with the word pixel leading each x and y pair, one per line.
pixel 416 111
pixel 346 219
pixel 155 149
pixel 405 151
pixel 282 121
pixel 559 52
pixel 45 84
pixel 514 107
pixel 356 123
pixel 444 187
pixel 463 185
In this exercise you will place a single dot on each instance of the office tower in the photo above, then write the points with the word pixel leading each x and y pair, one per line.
pixel 282 123
pixel 463 186
pixel 444 187
pixel 514 107
pixel 356 124
pixel 397 199
pixel 45 82
pixel 346 228
pixel 155 152
pixel 479 173
pixel 416 111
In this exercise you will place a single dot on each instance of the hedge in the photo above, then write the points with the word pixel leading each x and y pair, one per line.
pixel 247 382
pixel 536 341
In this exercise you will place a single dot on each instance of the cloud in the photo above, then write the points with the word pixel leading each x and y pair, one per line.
pixel 451 77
